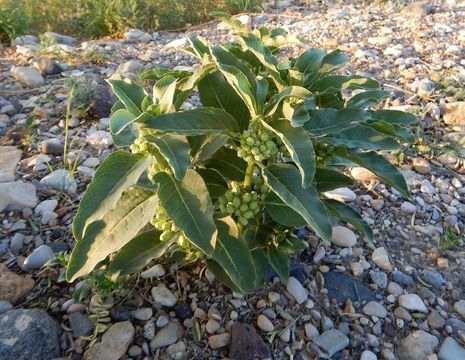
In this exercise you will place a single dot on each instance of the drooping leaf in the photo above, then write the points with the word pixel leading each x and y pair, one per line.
pixel 138 252
pixel 228 164
pixel 109 234
pixel 330 121
pixel 393 116
pixel 189 205
pixel 378 165
pixel 221 275
pixel 117 172
pixel 363 137
pixel 164 91
pixel 122 118
pixel 198 121
pixel 280 262
pixel 299 145
pixel 281 213
pixel 327 180
pixel 175 149
pixel 198 47
pixel 346 213
pixel 204 146
pixel 333 60
pixel 288 92
pixel 131 95
pixel 260 264
pixel 214 181
pixel 344 82
pixel 367 99
pixel 286 182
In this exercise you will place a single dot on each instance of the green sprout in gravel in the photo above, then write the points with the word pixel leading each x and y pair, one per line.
pixel 226 183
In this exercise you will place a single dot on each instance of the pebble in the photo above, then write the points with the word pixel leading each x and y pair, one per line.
pixel 408 208
pixel 154 271
pixel 52 147
pixel 134 351
pixel 115 342
pixel 17 196
pixel 368 355
pixel 412 302
pixel 167 335
pixel 402 278
pixel 162 321
pixel 374 308
pixel 380 279
pixel 377 204
pixel 459 308
pixel 163 296
pixel 212 326
pixel 451 350
pixel 28 76
pixel 264 323
pixel 417 346
pixel 343 237
pixel 17 243
pixel 427 188
pixel 38 258
pixel 331 342
pixel 381 259
pixel 341 194
pixel 149 329
pixel 142 314
pixel 61 180
pixel 434 278
pixel 311 331
pixel 218 341
pixel 296 289
pixel 80 324
pixel 421 166
pixel 46 205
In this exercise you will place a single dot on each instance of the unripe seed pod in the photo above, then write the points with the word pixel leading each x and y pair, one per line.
pixel 244 207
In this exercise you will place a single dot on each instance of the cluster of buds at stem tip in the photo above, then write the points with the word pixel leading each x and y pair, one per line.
pixel 257 144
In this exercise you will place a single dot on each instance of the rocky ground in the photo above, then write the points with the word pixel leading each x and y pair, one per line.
pixel 401 296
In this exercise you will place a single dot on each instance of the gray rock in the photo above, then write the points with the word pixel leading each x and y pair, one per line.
pixel 295 288
pixel 80 324
pixel 412 302
pixel 16 243
pixel 129 67
pixel 25 40
pixel 29 334
pixel 343 237
pixel 115 342
pixel 434 278
pixel 456 325
pixel 331 342
pixel 425 87
pixel 167 335
pixel 380 279
pixel 459 307
pixel 401 278
pixel 60 39
pixel 374 308
pixel 451 350
pixel 17 196
pixel 38 258
pixel 247 344
pixel 142 314
pixel 47 66
pixel 149 329
pixel 417 346
pixel 60 179
pixel 52 147
pixel 101 102
pixel 28 76
pixel 341 287
pixel 163 296
pixel 9 157
pixel 5 306
pixel 46 205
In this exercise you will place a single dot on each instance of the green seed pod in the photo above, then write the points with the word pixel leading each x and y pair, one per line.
pixel 249 214
pixel 244 207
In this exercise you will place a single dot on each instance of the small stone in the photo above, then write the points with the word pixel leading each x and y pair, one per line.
pixel 408 208
pixel 16 243
pixel 218 341
pixel 162 321
pixel 381 259
pixel 154 271
pixel 46 205
pixel 331 342
pixel 47 66
pixel 115 342
pixel 177 43
pixel 311 331
pixel 212 326
pixel 380 279
pixel 177 351
pixel 435 320
pixel 129 67
pixel 60 179
pixel 343 237
pixel 38 258
pixel 246 343
pixel 417 346
pixel 285 335
pixel 368 355
pixel 120 313
pixel 264 323
pixel 374 308
pixel 421 166
pixel 101 139
pixel 454 113
pixel 296 289
pixel 357 268
pixel 9 158
pixel 48 216
pixel 402 278
pixel 167 335
pixel 28 76
pixel 134 351
pixel 91 162
pixel 149 330
pixel 434 278
pixel 163 296
pixel 13 286
pixel 377 204
pixel 362 174
pixel 427 188
pixel 459 308
pixel 142 314
pixel 17 196
pixel 52 147
pixel 412 302
pixel 341 194
pixel 451 350
pixel 60 39
pixel 80 324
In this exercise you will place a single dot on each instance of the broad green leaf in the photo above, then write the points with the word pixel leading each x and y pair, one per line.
pixel 226 57
pixel 281 213
pixel 286 182
pixel 346 213
pixel 327 180
pixel 393 117
pixel 260 264
pixel 188 204
pixel 367 99
pixel 344 82
pixel 186 85
pixel 139 252
pixel 228 164
pixel 105 236
pixel 299 145
pixel 131 95
pixel 127 136
pixel 117 106
pixel 262 86
pixel 280 262
pixel 163 93
pixel 309 62
pixel 198 47
pixel 330 121
pixel 330 98
pixel 117 172
pixel 175 149
pixel 204 146
pixel 120 119
pixel 214 181
pixel 257 236
pixel 221 275
pixel 291 245
pixel 399 132
pixel 334 60
pixel 232 253
pixel 158 72
pixel 288 92
pixel 230 21
pixel 378 165
pixel 363 137
pixel 215 91
pixel 198 121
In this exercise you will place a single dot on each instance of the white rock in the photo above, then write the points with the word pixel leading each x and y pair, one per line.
pixel 38 258
pixel 142 314
pixel 136 35
pixel 91 162
pixel 311 331
pixel 459 307
pixel 408 208
pixel 343 237
pixel 368 355
pixel 177 43
pixel 212 326
pixel 412 302
pixel 100 138
pixel 391 51
pixel 46 205
pixel 129 67
pixel 17 196
pixel 47 216
pixel 295 288
pixel 264 323
pixel 9 157
pixel 28 76
pixel 374 308
pixel 154 271
pixel 163 296
pixel 381 259
pixel 341 194
pixel 167 335
pixel 60 179
pixel 115 342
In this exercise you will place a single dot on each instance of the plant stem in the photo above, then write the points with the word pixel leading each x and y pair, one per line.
pixel 68 113
pixel 248 175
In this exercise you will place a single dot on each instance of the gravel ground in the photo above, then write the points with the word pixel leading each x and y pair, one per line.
pixel 399 297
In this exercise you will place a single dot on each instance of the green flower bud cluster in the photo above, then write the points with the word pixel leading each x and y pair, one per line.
pixel 162 222
pixel 240 203
pixel 257 144
pixel 294 101
pixel 141 146
pixel 324 153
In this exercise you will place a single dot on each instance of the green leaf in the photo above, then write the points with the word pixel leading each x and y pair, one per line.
pixel 228 164
pixel 344 82
pixel 329 121
pixel 396 117
pixel 260 264
pixel 158 72
pixel 163 92
pixel 103 237
pixel 198 121
pixel 363 137
pixel 346 213
pixel 131 95
pixel 327 180
pixel 175 149
pixel 214 181
pixel 127 136
pixel 367 99
pixel 188 204
pixel 288 92
pixel 334 60
pixel 198 47
pixel 122 118
pixel 139 252
pixel 280 262
pixel 282 213
pixel 204 146
pixel 117 172
pixel 215 91
pixel 309 62
pixel 230 21
pixel 299 145
pixel 378 165
pixel 286 182
pixel 221 275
